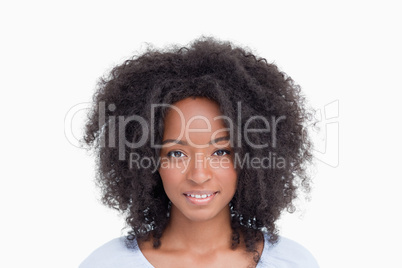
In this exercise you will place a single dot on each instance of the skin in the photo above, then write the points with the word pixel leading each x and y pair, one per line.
pixel 197 159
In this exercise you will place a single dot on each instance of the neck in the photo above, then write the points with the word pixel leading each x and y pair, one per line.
pixel 183 233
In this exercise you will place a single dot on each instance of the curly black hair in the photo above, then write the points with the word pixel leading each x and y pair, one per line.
pixel 242 84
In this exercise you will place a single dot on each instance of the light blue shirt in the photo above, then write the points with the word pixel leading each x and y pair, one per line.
pixel 115 254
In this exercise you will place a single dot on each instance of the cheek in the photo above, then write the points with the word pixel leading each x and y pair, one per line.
pixel 227 177
pixel 171 178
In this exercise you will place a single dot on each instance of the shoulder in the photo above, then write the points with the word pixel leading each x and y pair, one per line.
pixel 286 253
pixel 118 252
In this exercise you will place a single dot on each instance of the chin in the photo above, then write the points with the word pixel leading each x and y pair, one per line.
pixel 200 215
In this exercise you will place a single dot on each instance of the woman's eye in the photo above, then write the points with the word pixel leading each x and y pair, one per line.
pixel 221 152
pixel 175 154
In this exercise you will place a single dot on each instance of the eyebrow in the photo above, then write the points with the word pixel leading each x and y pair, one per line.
pixel 225 138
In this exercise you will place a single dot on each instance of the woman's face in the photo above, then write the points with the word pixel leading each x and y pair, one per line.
pixel 196 160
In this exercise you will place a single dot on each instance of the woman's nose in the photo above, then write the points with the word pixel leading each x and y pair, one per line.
pixel 199 170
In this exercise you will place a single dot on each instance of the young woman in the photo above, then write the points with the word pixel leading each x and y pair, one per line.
pixel 201 148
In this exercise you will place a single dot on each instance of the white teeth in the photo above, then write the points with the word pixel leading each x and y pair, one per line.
pixel 199 196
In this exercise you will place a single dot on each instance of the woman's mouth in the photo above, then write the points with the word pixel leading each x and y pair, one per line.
pixel 200 198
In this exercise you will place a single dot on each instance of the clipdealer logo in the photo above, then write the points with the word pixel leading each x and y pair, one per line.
pixel 326 139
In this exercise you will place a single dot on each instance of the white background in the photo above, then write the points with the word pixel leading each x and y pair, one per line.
pixel 53 52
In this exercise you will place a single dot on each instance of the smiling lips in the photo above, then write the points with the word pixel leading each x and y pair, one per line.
pixel 200 198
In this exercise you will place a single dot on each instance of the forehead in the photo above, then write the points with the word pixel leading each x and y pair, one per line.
pixel 198 118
